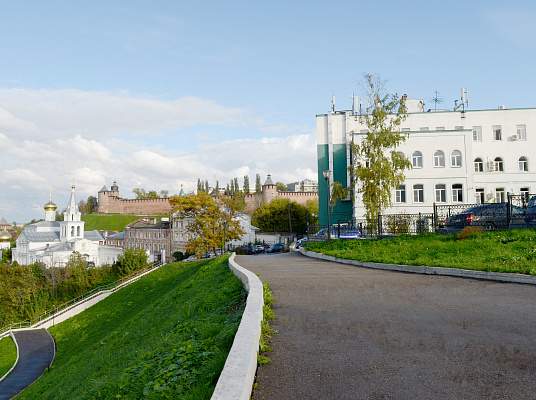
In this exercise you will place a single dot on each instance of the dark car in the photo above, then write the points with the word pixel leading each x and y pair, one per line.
pixel 276 248
pixel 530 216
pixel 488 216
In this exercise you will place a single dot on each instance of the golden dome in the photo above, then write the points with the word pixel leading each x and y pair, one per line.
pixel 4 235
pixel 50 206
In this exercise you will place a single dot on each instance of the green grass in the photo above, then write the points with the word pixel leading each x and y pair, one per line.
pixel 266 328
pixel 107 222
pixel 8 354
pixel 501 251
pixel 166 336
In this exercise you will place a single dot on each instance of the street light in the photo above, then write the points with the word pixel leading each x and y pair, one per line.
pixel 327 174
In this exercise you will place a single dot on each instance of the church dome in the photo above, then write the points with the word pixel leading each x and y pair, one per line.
pixel 4 236
pixel 50 206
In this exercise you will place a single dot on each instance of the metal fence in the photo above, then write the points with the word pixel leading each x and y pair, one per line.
pixel 518 211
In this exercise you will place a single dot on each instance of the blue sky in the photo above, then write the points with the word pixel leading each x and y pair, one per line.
pixel 140 77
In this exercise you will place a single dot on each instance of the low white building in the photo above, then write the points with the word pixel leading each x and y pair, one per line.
pixel 5 240
pixel 463 156
pixel 52 242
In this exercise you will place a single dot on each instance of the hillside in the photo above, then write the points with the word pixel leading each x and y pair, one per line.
pixel 8 354
pixel 107 222
pixel 165 336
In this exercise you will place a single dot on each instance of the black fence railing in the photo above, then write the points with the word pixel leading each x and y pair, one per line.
pixel 517 211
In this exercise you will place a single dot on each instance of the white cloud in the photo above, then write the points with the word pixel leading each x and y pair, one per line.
pixel 52 139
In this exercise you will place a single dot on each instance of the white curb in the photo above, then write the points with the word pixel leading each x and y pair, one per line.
pixel 236 379
pixel 456 272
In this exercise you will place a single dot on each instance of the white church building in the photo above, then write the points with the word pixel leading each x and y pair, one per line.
pixel 457 156
pixel 52 242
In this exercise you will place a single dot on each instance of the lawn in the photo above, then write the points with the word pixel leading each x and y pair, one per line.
pixel 107 222
pixel 8 354
pixel 500 251
pixel 165 336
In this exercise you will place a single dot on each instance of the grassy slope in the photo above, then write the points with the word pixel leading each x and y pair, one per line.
pixel 165 336
pixel 8 354
pixel 503 251
pixel 107 222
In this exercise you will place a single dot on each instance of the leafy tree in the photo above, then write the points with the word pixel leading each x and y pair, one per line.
pixel 258 185
pixel 213 221
pixel 281 187
pixel 82 207
pixel 236 185
pixel 217 189
pixel 207 188
pixel 281 215
pixel 91 205
pixel 227 190
pixel 378 167
pixel 246 184
pixel 312 209
pixel 338 192
pixel 131 260
pixel 199 186
pixel 164 194
pixel 142 194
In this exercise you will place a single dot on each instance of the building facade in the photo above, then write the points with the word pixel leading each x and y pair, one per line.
pixel 269 192
pixel 110 202
pixel 467 156
pixel 152 236
pixel 53 242
pixel 307 185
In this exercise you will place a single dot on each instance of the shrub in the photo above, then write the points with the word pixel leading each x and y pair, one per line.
pixel 469 232
pixel 398 223
pixel 131 260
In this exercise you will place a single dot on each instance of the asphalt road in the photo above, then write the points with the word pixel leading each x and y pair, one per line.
pixel 353 333
pixel 36 352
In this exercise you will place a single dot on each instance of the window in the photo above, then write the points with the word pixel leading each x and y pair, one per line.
pixel 400 194
pixel 523 164
pixel 458 127
pixel 477 133
pixel 521 132
pixel 497 132
pixel 499 195
pixel 499 165
pixel 72 231
pixel 418 193
pixel 456 158
pixel 524 192
pixel 424 128
pixel 439 159
pixel 479 165
pixel 416 159
pixel 440 193
pixel 457 193
pixel 78 231
pixel 440 128
pixel 480 196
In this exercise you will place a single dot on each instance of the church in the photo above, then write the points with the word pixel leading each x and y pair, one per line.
pixel 52 242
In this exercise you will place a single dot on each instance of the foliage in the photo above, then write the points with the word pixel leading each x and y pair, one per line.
pixel 130 261
pixel 338 193
pixel 281 187
pixel 312 209
pixel 142 194
pixel 88 206
pixel 246 184
pixel 398 223
pixel 378 167
pixel 6 255
pixel 213 221
pixel 8 354
pixel 281 215
pixel 258 185
pixel 107 222
pixel 179 255
pixel 500 251
pixel 266 329
pixel 165 336
pixel 469 232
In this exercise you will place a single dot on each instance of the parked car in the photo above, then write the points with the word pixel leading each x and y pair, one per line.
pixel 300 242
pixel 276 248
pixel 488 216
pixel 259 248
pixel 530 216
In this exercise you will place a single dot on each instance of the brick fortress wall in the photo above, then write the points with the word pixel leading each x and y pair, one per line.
pixel 109 202
pixel 270 192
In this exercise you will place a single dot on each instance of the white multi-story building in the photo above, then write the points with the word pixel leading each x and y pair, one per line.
pixel 53 242
pixel 471 156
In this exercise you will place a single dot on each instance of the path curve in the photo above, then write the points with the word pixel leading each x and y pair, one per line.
pixel 346 332
pixel 36 353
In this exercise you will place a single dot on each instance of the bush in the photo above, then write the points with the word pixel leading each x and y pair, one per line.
pixel 469 232
pixel 130 261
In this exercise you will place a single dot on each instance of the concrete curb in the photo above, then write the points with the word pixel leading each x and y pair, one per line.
pixel 236 379
pixel 456 272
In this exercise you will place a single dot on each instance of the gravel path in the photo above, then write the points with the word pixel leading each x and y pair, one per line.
pixel 36 352
pixel 354 333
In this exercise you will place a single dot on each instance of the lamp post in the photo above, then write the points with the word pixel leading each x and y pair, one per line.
pixel 327 174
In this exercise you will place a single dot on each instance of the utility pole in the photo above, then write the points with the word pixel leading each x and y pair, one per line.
pixel 326 174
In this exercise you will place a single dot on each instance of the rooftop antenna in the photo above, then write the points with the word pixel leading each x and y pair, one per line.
pixel 436 100
pixel 463 102
pixel 353 103
pixel 332 103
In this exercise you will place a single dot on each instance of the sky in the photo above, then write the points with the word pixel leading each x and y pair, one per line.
pixel 156 94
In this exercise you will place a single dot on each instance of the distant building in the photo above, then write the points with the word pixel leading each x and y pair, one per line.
pixel 150 235
pixel 109 202
pixel 116 239
pixel 52 243
pixel 5 240
pixel 307 185
pixel 4 225
pixel 269 192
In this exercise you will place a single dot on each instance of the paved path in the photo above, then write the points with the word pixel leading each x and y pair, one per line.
pixel 36 352
pixel 354 333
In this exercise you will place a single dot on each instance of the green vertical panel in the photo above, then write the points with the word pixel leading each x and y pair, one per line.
pixel 323 164
pixel 342 212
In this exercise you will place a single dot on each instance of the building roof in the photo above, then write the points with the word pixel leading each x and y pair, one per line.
pixel 268 180
pixel 93 236
pixel 45 224
pixel 4 222
pixel 144 224
pixel 33 236
pixel 103 189
pixel 5 235
pixel 117 236
pixel 64 246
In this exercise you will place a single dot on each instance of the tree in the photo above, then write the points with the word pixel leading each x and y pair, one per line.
pixel 236 186
pixel 164 194
pixel 131 260
pixel 207 188
pixel 246 184
pixel 199 186
pixel 91 205
pixel 258 185
pixel 281 215
pixel 338 192
pixel 142 194
pixel 217 189
pixel 312 209
pixel 212 223
pixel 281 187
pixel 227 190
pixel 82 207
pixel 378 167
